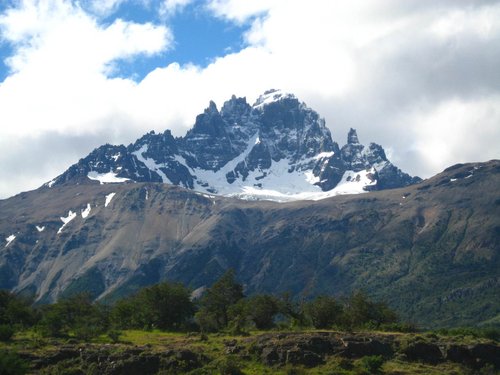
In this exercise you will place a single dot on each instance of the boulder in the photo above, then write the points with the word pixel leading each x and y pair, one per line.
pixel 357 347
pixel 307 358
pixel 486 354
pixel 424 352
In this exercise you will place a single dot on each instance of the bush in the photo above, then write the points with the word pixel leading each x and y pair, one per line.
pixel 77 314
pixel 166 306
pixel 12 364
pixel 324 312
pixel 114 335
pixel 229 366
pixel 6 332
pixel 399 327
pixel 361 311
pixel 490 333
pixel 488 369
pixel 290 370
pixel 372 364
pixel 15 310
pixel 262 309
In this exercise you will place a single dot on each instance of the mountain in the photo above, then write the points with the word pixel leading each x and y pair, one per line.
pixel 277 149
pixel 430 249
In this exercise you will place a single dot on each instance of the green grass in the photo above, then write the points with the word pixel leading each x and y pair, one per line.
pixel 407 368
pixel 213 347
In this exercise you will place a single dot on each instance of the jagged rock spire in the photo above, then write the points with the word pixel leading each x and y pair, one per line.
pixel 352 137
pixel 212 108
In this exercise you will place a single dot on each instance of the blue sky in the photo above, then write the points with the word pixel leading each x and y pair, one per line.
pixel 418 77
pixel 200 36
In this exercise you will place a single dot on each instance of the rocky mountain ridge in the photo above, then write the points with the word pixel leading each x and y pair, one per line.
pixel 277 149
pixel 429 249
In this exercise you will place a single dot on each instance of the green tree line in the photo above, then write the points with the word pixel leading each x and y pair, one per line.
pixel 169 306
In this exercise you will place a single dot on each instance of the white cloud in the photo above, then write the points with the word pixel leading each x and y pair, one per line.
pixel 105 7
pixel 58 80
pixel 241 10
pixel 457 131
pixel 170 7
pixel 419 77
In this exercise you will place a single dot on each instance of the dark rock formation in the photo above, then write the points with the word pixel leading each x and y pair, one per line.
pixel 278 135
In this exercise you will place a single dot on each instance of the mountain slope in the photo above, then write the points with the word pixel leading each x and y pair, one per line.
pixel 277 149
pixel 430 249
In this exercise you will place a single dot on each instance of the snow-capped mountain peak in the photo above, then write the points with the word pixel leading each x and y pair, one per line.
pixel 277 149
pixel 271 96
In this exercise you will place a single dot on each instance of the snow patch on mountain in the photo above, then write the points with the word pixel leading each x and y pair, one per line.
pixel 66 220
pixel 86 211
pixel 271 96
pixel 151 164
pixel 355 182
pixel 106 178
pixel 275 183
pixel 10 239
pixel 324 155
pixel 108 199
pixel 351 183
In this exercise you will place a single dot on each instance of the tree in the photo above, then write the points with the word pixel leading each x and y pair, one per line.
pixel 76 314
pixel 15 310
pixel 12 364
pixel 262 309
pixel 324 312
pixel 361 310
pixel 124 314
pixel 238 317
pixel 292 310
pixel 215 304
pixel 166 306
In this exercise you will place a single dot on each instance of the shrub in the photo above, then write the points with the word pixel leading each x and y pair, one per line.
pixel 12 364
pixel 290 370
pixel 229 366
pixel 15 310
pixel 372 364
pixel 77 314
pixel 399 327
pixel 361 311
pixel 324 312
pixel 114 335
pixel 491 333
pixel 488 369
pixel 6 332
pixel 262 309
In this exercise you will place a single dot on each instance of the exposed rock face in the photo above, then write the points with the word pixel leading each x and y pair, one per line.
pixel 276 149
pixel 424 352
pixel 310 349
pixel 108 360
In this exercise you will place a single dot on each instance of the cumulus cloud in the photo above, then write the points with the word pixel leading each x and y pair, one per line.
pixel 105 7
pixel 170 7
pixel 59 72
pixel 419 77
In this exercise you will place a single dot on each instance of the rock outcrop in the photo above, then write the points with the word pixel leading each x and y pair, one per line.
pixel 278 149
